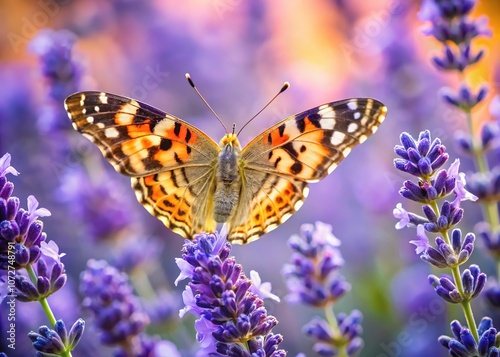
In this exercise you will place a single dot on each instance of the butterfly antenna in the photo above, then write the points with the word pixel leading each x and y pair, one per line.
pixel 286 85
pixel 188 77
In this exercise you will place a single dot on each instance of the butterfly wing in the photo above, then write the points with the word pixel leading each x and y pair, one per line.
pixel 172 163
pixel 279 163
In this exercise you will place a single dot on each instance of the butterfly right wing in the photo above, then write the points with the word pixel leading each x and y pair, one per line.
pixel 172 163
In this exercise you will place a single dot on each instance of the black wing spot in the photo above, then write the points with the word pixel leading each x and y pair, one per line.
pixel 177 129
pixel 181 212
pixel 288 147
pixel 277 162
pixel 314 120
pixel 257 217
pixel 165 144
pixel 269 208
pixel 296 167
pixel 281 129
pixel 301 124
pixel 303 148
pixel 178 159
pixel 279 200
pixel 167 203
pixel 188 135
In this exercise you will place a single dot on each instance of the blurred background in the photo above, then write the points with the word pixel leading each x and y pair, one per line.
pixel 239 54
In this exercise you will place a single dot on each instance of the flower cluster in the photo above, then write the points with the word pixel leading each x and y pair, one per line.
pixel 33 266
pixel 451 249
pixel 118 313
pixel 232 319
pixel 61 72
pixel 313 279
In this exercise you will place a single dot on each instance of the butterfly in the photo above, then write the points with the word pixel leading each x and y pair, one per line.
pixel 191 183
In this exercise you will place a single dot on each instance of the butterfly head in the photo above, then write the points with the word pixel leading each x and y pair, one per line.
pixel 230 142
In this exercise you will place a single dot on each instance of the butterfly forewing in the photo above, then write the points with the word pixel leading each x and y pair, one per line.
pixel 172 162
pixel 300 149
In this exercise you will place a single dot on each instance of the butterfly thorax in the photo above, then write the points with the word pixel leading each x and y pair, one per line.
pixel 228 183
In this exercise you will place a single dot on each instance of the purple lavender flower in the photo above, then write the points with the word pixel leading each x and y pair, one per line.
pixel 117 312
pixel 464 344
pixel 473 282
pixel 60 70
pixel 349 330
pixel 48 281
pixel 451 25
pixel 313 279
pixel 313 275
pixel 232 320
pixel 104 206
pixel 420 157
pixel 58 341
pixel 20 232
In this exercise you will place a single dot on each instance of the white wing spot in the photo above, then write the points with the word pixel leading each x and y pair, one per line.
pixel 270 227
pixel 346 151
pixel 331 168
pixel 103 98
pixel 337 138
pixel 352 105
pixel 357 115
pixel 111 133
pixel 285 217
pixel 96 108
pixel 100 125
pixel 90 120
pixel 84 111
pixel 65 106
pixel 69 115
pixel 328 124
pixel 305 192
pixel 74 126
pixel 352 127
pixel 362 138
pixel 297 205
pixel 325 108
pixel 82 100
pixel 126 114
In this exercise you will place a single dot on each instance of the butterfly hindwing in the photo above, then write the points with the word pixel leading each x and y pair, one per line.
pixel 303 148
pixel 170 161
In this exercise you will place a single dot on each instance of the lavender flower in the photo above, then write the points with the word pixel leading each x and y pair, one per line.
pixel 48 280
pixel 20 232
pixel 58 341
pixel 117 312
pixel 451 25
pixel 313 279
pixel 464 344
pixel 61 71
pixel 473 282
pixel 232 320
pixel 23 247
pixel 451 249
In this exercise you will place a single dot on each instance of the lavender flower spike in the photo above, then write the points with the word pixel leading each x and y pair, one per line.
pixel 232 320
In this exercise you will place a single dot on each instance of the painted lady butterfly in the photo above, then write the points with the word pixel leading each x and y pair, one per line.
pixel 190 183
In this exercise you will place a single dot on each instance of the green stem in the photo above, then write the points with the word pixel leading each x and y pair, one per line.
pixel 332 321
pixel 45 306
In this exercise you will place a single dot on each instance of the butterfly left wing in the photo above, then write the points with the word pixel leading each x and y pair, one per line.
pixel 304 148
pixel 172 163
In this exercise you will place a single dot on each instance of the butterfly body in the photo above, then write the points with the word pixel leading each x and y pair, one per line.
pixel 191 183
pixel 228 179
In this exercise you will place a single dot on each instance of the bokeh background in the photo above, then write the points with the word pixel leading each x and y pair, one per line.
pixel 239 53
